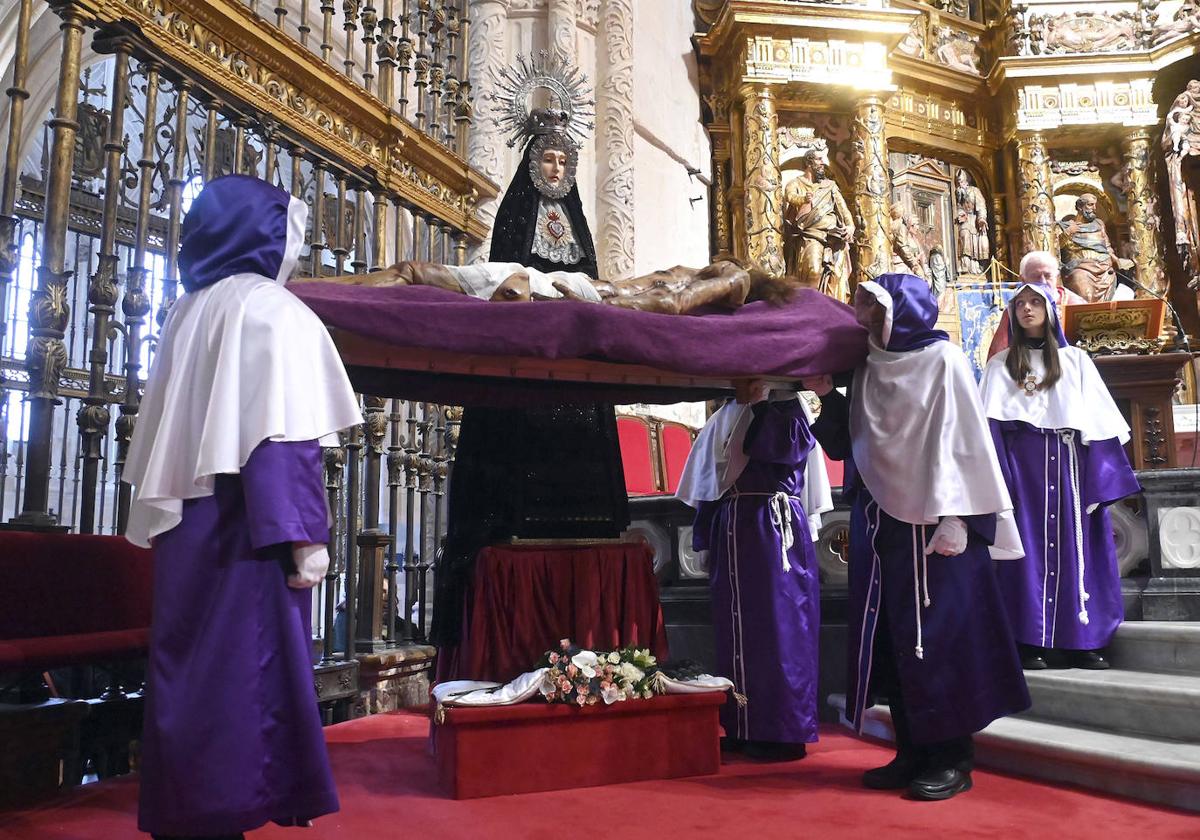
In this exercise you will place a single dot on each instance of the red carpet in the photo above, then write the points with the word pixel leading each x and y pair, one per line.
pixel 387 783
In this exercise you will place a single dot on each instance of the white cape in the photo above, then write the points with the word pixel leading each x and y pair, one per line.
pixel 1079 400
pixel 239 362
pixel 920 465
pixel 717 460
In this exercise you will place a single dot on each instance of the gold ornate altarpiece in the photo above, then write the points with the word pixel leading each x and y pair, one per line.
pixel 1012 94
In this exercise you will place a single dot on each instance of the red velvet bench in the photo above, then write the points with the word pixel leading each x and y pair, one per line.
pixel 69 600
pixel 72 599
pixel 538 746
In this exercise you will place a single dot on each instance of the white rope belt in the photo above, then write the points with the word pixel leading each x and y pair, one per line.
pixel 1068 437
pixel 780 508
pixel 920 576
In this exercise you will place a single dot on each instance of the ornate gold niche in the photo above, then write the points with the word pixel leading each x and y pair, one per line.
pixel 1004 92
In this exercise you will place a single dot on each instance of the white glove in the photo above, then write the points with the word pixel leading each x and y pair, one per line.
pixel 950 538
pixel 312 562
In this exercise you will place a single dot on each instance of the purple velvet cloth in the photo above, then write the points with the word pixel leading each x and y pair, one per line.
pixel 766 619
pixel 232 736
pixel 237 225
pixel 810 335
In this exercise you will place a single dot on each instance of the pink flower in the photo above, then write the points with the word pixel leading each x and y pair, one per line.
pixel 584 689
pixel 553 658
pixel 572 671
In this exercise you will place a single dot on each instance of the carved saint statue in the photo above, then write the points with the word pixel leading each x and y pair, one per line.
pixel 817 228
pixel 908 257
pixel 939 272
pixel 1088 258
pixel 971 225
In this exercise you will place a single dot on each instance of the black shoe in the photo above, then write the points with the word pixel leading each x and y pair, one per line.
pixel 732 744
pixel 935 785
pixel 773 751
pixel 1034 662
pixel 1091 660
pixel 1033 658
pixel 895 775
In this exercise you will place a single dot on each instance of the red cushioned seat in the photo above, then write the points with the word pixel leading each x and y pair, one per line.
pixel 72 598
pixel 676 446
pixel 637 456
pixel 44 652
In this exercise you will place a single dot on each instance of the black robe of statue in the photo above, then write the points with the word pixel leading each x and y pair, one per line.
pixel 552 471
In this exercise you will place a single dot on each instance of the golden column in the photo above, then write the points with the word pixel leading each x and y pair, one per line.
pixel 49 307
pixel 720 200
pixel 1037 203
pixel 1143 218
pixel 871 190
pixel 764 223
pixel 1000 251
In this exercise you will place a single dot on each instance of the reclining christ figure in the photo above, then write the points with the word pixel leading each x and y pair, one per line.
pixel 676 291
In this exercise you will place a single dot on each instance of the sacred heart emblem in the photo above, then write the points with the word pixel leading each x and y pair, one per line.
pixel 554 225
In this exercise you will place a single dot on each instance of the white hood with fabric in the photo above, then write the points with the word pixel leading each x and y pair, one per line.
pixel 935 457
pixel 239 362
pixel 1079 400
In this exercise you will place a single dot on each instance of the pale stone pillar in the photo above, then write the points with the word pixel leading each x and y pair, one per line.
pixel 485 146
pixel 562 20
pixel 614 139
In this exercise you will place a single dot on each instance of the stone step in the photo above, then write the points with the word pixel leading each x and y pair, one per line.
pixel 1160 705
pixel 1166 772
pixel 1165 646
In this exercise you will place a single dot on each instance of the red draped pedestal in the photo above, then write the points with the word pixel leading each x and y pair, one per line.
pixel 551 746
pixel 524 598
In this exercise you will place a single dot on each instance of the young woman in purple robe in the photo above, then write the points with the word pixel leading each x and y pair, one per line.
pixel 1060 438
pixel 757 480
pixel 229 494
pixel 928 629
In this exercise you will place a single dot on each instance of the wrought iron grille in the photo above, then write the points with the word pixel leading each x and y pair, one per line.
pixel 361 109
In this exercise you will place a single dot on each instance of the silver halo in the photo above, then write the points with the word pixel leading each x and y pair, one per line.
pixel 515 87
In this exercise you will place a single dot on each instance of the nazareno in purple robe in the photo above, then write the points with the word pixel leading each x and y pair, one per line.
pixel 1041 590
pixel 928 631
pixel 970 674
pixel 766 619
pixel 232 735
pixel 1065 592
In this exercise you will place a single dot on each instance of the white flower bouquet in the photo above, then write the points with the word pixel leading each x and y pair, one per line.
pixel 586 677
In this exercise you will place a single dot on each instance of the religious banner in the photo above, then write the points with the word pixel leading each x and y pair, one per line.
pixel 980 305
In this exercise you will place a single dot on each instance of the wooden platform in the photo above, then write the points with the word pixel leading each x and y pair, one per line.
pixel 398 371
